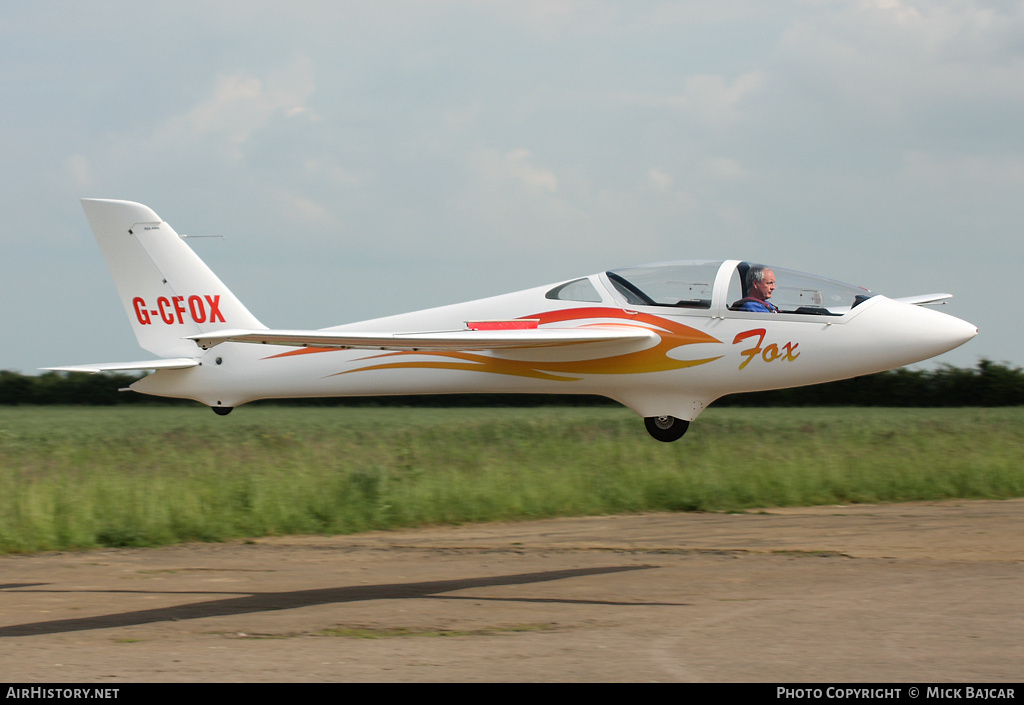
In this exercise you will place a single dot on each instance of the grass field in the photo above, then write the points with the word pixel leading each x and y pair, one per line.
pixel 119 476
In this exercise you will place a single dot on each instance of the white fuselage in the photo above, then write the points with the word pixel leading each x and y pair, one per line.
pixel 697 356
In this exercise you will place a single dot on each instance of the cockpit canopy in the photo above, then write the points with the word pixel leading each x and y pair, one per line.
pixel 680 284
pixel 692 284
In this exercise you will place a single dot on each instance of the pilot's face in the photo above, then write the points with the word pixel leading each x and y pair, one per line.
pixel 764 288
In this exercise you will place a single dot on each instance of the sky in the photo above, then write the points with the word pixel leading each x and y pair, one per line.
pixel 359 159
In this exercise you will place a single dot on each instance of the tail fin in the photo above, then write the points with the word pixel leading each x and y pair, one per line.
pixel 167 291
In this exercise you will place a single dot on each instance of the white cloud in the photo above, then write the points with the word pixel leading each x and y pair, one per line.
pixel 304 208
pixel 659 180
pixel 516 166
pixel 714 98
pixel 725 169
pixel 554 19
pixel 241 104
pixel 322 168
pixel 81 171
pixel 710 98
pixel 220 128
pixel 901 53
pixel 981 171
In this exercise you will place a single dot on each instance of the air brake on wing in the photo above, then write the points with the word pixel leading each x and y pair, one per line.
pixel 504 324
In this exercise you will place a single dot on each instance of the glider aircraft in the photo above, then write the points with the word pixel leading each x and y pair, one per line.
pixel 663 339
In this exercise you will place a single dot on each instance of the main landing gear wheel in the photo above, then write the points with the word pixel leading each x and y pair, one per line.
pixel 222 410
pixel 666 428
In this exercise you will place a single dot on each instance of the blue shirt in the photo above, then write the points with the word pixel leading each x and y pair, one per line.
pixel 758 306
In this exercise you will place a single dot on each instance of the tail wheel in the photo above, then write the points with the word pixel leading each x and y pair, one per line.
pixel 666 428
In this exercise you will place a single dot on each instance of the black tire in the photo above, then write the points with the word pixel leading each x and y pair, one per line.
pixel 222 410
pixel 666 428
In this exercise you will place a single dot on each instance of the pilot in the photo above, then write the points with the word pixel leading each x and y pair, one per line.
pixel 760 285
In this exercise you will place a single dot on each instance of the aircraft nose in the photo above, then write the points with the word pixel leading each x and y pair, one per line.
pixel 960 331
pixel 938 332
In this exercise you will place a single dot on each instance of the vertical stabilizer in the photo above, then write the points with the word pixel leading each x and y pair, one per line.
pixel 166 290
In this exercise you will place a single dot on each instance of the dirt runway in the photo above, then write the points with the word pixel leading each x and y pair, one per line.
pixel 923 592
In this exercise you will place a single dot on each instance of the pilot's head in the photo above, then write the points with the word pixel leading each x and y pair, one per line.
pixel 760 282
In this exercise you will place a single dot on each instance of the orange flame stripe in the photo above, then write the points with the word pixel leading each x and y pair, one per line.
pixel 653 359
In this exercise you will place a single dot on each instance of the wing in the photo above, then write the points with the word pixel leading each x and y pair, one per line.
pixel 179 363
pixel 924 299
pixel 438 340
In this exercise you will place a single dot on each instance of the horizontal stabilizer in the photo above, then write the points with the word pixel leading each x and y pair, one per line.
pixel 924 299
pixel 441 340
pixel 168 364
